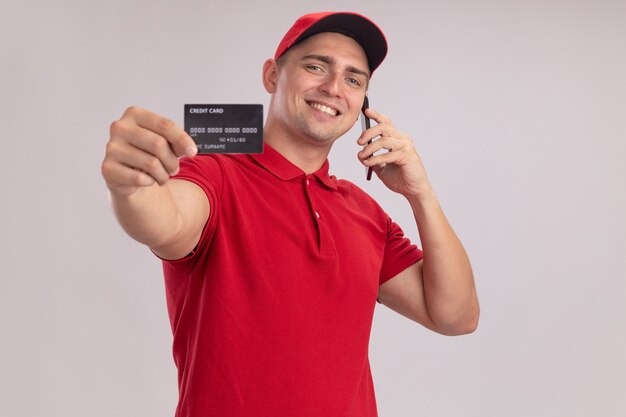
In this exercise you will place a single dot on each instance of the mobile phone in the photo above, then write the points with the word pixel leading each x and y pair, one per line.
pixel 366 124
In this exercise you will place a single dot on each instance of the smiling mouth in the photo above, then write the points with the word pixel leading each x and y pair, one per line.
pixel 324 109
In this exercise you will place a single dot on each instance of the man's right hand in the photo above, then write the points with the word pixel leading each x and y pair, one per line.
pixel 143 149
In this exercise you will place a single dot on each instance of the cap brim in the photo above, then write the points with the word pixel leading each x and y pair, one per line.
pixel 358 27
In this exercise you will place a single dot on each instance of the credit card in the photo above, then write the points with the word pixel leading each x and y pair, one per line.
pixel 225 128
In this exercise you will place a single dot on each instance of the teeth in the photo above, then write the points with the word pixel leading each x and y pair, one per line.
pixel 324 109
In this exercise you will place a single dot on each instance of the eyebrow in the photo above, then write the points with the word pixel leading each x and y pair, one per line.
pixel 329 60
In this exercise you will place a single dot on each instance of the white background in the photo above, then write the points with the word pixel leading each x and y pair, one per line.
pixel 517 108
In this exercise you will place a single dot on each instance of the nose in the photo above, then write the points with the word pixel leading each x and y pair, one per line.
pixel 331 85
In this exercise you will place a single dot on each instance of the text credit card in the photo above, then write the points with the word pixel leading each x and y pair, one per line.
pixel 225 128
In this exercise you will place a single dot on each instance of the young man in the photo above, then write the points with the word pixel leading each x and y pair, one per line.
pixel 272 266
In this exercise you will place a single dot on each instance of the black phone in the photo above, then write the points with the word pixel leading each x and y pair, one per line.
pixel 366 124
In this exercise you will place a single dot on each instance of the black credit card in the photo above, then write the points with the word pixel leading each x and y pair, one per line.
pixel 225 128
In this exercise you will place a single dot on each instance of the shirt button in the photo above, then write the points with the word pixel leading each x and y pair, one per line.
pixel 317 214
pixel 307 182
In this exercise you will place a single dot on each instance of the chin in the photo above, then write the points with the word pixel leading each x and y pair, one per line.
pixel 324 138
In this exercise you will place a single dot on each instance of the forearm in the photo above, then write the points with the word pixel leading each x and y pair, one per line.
pixel 448 281
pixel 149 215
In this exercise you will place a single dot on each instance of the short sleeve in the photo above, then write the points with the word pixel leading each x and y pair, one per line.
pixel 399 253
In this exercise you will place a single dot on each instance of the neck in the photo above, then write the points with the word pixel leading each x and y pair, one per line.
pixel 305 154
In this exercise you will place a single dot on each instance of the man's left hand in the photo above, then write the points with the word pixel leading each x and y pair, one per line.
pixel 400 168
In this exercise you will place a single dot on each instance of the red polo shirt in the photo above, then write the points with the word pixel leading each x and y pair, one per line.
pixel 271 314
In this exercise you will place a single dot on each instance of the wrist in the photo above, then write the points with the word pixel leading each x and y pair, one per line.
pixel 422 199
pixel 418 192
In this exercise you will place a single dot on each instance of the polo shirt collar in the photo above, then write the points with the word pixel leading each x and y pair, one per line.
pixel 283 169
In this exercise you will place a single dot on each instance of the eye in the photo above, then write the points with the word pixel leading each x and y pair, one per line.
pixel 354 82
pixel 314 67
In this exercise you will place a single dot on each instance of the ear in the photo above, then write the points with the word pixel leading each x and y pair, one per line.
pixel 270 75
